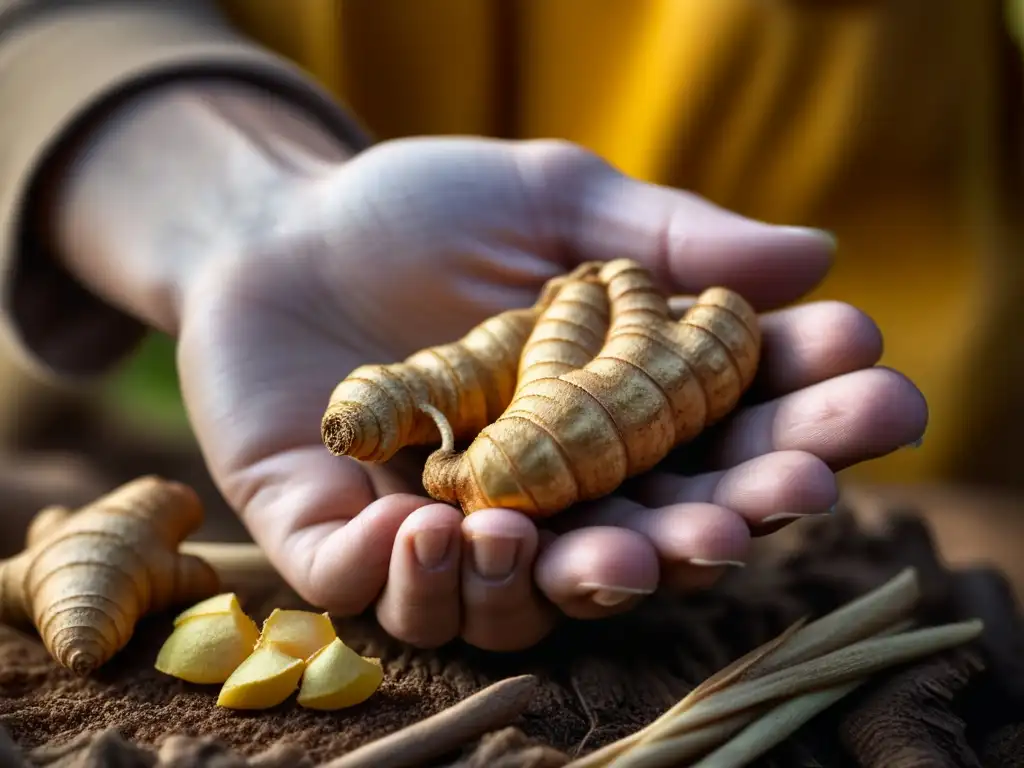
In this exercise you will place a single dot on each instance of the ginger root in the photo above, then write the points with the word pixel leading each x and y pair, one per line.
pixel 338 677
pixel 265 679
pixel 87 577
pixel 215 642
pixel 570 332
pixel 209 641
pixel 655 384
pixel 375 411
pixel 297 633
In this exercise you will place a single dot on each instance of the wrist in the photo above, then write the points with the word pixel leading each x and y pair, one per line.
pixel 161 189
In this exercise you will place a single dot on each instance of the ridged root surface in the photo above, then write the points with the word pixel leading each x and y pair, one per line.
pixel 87 577
pixel 376 410
pixel 656 383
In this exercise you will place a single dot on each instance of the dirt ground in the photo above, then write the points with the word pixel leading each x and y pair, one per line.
pixel 599 681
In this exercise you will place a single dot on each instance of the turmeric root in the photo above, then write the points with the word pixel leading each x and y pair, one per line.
pixel 375 411
pixel 654 384
pixel 87 577
pixel 570 331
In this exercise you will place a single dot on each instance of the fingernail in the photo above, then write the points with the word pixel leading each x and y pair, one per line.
pixel 781 516
pixel 820 234
pixel 494 557
pixel 716 563
pixel 917 443
pixel 431 547
pixel 609 597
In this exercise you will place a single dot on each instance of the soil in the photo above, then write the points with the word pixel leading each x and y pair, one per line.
pixel 600 680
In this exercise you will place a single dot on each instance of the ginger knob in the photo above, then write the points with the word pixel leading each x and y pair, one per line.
pixel 654 384
pixel 87 577
pixel 376 410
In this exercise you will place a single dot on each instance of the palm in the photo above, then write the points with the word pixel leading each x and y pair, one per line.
pixel 410 246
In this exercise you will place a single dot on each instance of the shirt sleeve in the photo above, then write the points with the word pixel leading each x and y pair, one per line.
pixel 61 62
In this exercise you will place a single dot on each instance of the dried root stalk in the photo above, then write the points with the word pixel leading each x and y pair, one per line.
pixel 87 577
pixel 759 700
pixel 654 384
pixel 487 710
pixel 377 410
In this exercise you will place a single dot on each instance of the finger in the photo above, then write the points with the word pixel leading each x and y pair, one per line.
pixel 694 542
pixel 780 486
pixel 597 571
pixel 320 527
pixel 256 415
pixel 501 609
pixel 596 212
pixel 812 343
pixel 843 421
pixel 421 603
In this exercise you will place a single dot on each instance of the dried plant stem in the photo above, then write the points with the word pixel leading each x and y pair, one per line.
pixel 496 706
pixel 686 746
pixel 774 727
pixel 240 566
pixel 857 620
pixel 842 666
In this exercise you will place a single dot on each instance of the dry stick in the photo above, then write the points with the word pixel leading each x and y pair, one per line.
pixel 674 750
pixel 859 660
pixel 718 681
pixel 496 706
pixel 239 565
pixel 776 726
pixel 857 620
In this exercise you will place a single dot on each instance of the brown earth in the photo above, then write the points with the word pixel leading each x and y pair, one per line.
pixel 600 681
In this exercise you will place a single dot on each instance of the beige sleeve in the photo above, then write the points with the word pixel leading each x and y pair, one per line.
pixel 61 62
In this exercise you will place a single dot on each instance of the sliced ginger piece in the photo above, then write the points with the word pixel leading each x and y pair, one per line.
pixel 226 602
pixel 338 677
pixel 299 634
pixel 264 680
pixel 209 647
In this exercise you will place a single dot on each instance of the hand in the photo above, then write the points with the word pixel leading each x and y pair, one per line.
pixel 411 244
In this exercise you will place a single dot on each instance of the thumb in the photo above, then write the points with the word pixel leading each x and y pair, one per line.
pixel 594 212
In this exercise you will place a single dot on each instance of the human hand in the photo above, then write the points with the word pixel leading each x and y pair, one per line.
pixel 411 244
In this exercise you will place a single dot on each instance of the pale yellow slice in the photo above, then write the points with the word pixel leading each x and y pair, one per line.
pixel 226 602
pixel 208 648
pixel 338 677
pixel 263 680
pixel 297 633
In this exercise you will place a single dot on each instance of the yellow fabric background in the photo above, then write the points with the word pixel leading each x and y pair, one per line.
pixel 884 121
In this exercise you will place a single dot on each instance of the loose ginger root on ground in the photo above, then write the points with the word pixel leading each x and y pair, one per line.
pixel 86 577
pixel 654 384
pixel 215 642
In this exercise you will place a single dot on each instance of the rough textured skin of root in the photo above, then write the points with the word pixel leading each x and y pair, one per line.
pixel 655 384
pixel 88 577
pixel 376 410
pixel 569 332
